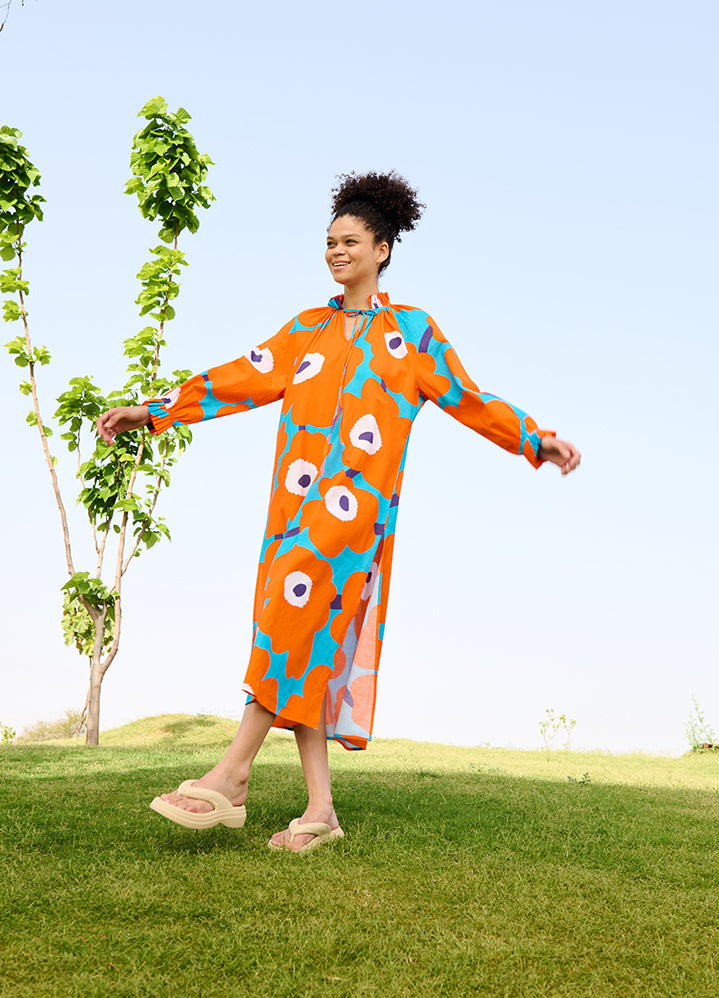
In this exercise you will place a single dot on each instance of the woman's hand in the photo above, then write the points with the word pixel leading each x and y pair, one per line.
pixel 121 419
pixel 560 452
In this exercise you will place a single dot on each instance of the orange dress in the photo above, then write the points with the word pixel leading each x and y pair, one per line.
pixel 347 411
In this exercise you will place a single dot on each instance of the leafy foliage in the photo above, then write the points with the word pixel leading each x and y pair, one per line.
pixel 17 207
pixel 168 172
pixel 78 627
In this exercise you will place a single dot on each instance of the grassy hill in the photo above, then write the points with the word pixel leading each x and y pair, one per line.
pixel 464 872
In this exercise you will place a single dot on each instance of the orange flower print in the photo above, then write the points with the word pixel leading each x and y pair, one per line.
pixel 374 435
pixel 306 708
pixel 181 405
pixel 298 469
pixel 344 517
pixel 312 393
pixel 298 594
pixel 399 363
pixel 262 572
pixel 264 690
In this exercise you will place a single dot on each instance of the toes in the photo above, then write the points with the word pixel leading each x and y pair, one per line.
pixel 283 840
pixel 186 803
pixel 300 840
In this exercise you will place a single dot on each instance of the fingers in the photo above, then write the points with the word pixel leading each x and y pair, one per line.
pixel 560 452
pixel 114 421
pixel 571 456
pixel 105 426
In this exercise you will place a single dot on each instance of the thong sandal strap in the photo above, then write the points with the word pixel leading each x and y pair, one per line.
pixel 298 827
pixel 214 797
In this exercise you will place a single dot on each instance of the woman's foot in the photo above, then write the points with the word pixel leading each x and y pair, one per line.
pixel 281 840
pixel 218 779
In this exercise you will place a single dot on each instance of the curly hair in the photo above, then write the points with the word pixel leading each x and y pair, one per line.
pixel 385 202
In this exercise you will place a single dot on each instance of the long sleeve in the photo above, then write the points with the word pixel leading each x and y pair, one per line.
pixel 447 384
pixel 257 378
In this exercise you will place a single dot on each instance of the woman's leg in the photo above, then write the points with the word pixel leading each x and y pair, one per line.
pixel 231 773
pixel 312 746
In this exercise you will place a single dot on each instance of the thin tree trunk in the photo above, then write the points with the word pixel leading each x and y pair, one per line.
pixel 92 725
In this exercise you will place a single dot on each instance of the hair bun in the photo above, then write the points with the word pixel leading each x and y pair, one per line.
pixel 388 194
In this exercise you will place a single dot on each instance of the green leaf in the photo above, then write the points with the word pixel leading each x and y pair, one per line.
pixel 11 311
pixel 156 106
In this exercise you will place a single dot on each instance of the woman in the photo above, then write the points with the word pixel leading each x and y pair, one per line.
pixel 352 377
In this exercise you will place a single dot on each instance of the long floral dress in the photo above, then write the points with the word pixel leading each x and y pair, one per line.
pixel 324 572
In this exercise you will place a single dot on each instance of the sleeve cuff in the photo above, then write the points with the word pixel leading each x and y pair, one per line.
pixel 160 420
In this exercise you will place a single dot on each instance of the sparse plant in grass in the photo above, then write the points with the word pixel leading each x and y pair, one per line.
pixel 70 725
pixel 702 737
pixel 7 734
pixel 552 725
pixel 584 780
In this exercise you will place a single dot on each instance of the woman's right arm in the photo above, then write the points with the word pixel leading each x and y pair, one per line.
pixel 253 380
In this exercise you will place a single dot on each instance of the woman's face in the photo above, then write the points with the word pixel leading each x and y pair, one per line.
pixel 352 254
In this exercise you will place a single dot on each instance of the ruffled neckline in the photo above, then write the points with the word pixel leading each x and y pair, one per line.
pixel 375 302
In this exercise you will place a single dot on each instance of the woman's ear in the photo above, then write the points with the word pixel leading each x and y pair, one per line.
pixel 382 252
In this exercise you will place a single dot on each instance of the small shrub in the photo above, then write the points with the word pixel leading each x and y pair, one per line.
pixel 70 725
pixel 701 735
pixel 552 725
pixel 7 734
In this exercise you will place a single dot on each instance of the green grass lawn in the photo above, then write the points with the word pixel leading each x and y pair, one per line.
pixel 464 872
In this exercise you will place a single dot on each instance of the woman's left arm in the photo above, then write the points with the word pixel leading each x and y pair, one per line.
pixel 443 379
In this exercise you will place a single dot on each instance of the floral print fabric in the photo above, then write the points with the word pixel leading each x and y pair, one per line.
pixel 347 411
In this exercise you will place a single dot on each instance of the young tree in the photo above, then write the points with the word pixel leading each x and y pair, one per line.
pixel 119 484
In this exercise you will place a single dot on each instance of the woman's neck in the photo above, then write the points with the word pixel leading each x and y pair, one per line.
pixel 358 298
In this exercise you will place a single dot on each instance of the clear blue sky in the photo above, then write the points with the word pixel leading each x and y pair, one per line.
pixel 567 153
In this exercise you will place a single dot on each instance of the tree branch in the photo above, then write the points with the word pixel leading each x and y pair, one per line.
pixel 7 7
pixel 40 426
pixel 158 486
